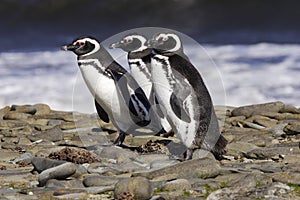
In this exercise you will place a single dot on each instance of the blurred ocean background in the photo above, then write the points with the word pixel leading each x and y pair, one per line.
pixel 254 46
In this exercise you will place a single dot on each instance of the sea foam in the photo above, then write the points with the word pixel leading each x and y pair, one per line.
pixel 235 75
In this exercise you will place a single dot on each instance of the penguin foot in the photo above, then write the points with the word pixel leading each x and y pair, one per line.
pixel 188 154
pixel 161 133
pixel 220 148
pixel 119 141
pixel 164 133
pixel 169 134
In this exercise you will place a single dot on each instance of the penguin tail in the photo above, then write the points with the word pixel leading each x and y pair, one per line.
pixel 220 148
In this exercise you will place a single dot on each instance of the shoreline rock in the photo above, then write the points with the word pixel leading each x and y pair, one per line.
pixel 49 154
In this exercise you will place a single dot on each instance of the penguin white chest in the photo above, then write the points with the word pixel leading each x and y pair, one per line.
pixel 99 85
pixel 165 85
pixel 161 78
pixel 142 76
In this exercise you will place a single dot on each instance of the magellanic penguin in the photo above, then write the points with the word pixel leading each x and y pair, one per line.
pixel 139 61
pixel 180 89
pixel 117 95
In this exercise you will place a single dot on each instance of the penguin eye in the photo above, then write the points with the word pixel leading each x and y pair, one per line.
pixel 80 43
pixel 164 39
pixel 129 40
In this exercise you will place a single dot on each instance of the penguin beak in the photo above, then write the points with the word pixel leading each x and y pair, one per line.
pixel 115 45
pixel 69 47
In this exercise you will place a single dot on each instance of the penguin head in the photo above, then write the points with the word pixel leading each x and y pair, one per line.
pixel 83 46
pixel 165 42
pixel 131 43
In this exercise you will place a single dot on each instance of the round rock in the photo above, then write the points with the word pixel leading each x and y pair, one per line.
pixel 59 172
pixel 41 164
pixel 42 109
pixel 140 187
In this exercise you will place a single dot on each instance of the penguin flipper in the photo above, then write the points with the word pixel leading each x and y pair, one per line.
pixel 132 94
pixel 101 112
pixel 177 107
pixel 139 97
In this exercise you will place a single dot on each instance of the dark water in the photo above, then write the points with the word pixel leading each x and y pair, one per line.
pixel 47 24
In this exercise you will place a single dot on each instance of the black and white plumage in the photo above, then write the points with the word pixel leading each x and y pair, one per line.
pixel 117 95
pixel 181 91
pixel 139 61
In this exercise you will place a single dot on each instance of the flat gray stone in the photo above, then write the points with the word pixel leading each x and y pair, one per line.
pixel 41 164
pixel 73 183
pixel 240 148
pixel 54 134
pixel 92 181
pixel 250 110
pixel 6 155
pixel 24 158
pixel 163 163
pixel 177 185
pixel 287 177
pixel 62 171
pixel 275 150
pixel 199 168
pixel 14 115
pixel 290 109
pixel 29 109
pixel 114 152
pixel 103 169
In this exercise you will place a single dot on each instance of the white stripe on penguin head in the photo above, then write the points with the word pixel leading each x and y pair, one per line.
pixel 178 42
pixel 94 42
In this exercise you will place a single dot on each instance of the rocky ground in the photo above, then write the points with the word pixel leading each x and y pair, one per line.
pixel 47 154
